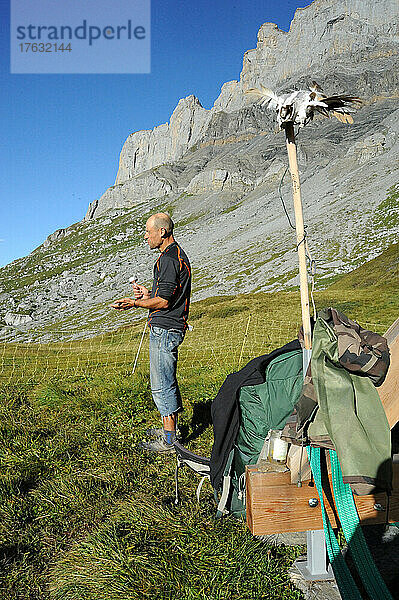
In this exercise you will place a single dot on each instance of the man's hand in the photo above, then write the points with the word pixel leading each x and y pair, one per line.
pixel 123 304
pixel 140 292
pixel 150 303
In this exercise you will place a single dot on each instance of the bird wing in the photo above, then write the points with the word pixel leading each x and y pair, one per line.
pixel 343 103
pixel 298 106
pixel 345 99
pixel 264 96
pixel 339 107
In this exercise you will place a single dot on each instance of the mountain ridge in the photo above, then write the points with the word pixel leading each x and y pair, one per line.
pixel 219 172
pixel 273 61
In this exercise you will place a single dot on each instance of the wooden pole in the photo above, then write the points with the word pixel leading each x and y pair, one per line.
pixel 300 233
pixel 316 562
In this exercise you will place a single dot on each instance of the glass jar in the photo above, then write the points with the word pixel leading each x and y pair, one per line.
pixel 278 448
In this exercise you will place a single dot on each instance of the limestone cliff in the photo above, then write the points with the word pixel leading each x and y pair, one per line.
pixel 146 149
pixel 338 37
pixel 346 45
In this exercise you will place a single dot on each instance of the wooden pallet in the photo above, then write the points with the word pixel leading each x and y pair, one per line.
pixel 275 505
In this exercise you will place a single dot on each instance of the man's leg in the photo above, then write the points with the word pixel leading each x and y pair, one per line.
pixel 165 390
pixel 169 423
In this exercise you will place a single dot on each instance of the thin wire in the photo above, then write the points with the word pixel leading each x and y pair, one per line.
pixel 141 343
pixel 282 199
pixel 312 272
pixel 303 240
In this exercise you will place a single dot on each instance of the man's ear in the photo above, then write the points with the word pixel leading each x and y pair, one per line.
pixel 163 232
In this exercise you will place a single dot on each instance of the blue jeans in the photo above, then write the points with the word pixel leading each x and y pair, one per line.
pixel 164 345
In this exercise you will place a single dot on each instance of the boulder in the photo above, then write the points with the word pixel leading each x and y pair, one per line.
pixel 16 320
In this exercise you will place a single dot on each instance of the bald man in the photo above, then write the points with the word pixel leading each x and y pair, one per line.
pixel 168 304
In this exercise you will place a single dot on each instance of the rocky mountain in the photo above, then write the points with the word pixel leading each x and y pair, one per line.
pixel 220 174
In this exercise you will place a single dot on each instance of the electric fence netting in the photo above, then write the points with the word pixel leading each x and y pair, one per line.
pixel 224 344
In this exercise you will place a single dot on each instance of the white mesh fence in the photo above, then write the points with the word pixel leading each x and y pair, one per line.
pixel 222 344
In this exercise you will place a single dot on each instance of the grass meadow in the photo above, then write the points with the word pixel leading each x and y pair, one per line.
pixel 83 514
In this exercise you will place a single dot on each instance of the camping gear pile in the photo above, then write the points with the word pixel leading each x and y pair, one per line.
pixel 335 407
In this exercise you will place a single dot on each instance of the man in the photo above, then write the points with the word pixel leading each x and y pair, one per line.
pixel 168 304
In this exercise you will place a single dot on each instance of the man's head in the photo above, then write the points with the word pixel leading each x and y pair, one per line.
pixel 159 231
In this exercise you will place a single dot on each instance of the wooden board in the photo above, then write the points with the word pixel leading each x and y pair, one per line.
pixel 389 390
pixel 275 505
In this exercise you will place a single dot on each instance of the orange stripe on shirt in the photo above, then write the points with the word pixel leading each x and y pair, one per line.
pixel 179 257
pixel 182 262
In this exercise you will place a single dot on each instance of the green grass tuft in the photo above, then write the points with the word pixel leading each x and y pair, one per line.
pixel 150 549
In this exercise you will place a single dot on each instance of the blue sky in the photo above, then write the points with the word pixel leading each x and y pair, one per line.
pixel 61 135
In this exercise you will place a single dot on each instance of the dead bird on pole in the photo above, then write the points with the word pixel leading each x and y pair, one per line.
pixel 298 108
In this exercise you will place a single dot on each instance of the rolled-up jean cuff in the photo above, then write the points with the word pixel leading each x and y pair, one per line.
pixel 165 391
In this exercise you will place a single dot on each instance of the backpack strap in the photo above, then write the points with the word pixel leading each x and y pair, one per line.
pixel 201 483
pixel 199 464
pixel 241 488
pixel 349 519
pixel 344 579
pixel 221 509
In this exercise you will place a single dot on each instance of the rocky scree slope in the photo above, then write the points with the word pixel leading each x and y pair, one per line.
pixel 218 172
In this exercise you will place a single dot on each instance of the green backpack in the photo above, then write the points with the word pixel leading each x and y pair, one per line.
pixel 262 407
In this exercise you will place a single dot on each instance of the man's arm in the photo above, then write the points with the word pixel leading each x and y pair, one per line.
pixel 168 280
pixel 126 303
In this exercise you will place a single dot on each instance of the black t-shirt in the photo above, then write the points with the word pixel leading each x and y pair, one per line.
pixel 172 282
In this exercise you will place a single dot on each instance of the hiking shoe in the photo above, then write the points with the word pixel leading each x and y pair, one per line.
pixel 158 433
pixel 157 445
